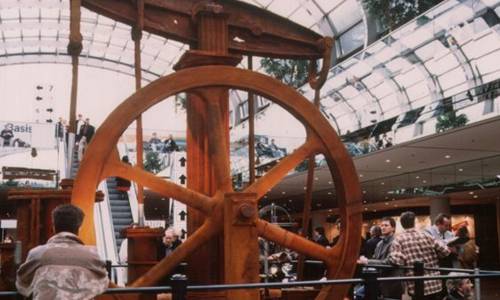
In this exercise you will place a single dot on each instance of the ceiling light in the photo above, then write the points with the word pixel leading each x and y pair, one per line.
pixel 360 175
pixel 316 178
pixel 329 182
pixel 471 193
pixel 364 201
pixel 364 192
pixel 417 177
pixel 329 193
pixel 289 200
pixel 460 170
pixel 475 196
pixel 382 183
pixel 387 203
pixel 387 160
pixel 399 167
pixel 330 210
pixel 424 181
pixel 447 156
pixel 283 192
pixel 366 208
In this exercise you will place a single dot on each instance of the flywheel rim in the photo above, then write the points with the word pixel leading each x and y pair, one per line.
pixel 101 151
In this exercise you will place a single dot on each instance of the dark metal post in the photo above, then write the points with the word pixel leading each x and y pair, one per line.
pixel 179 287
pixel 418 270
pixel 371 285
pixel 108 268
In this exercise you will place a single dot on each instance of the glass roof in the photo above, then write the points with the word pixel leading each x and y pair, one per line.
pixel 33 31
pixel 451 48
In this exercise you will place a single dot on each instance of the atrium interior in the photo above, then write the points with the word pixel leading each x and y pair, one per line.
pixel 299 114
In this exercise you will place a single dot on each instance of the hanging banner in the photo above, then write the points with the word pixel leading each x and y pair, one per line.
pixel 18 137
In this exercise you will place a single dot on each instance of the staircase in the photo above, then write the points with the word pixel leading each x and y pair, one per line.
pixel 121 213
pixel 75 163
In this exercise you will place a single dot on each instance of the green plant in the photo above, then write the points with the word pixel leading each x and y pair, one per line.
pixel 291 72
pixel 153 162
pixel 394 13
pixel 449 120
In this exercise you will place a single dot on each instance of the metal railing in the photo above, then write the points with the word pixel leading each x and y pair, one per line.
pixel 370 278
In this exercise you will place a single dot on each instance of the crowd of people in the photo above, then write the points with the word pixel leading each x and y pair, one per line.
pixel 270 150
pixel 166 147
pixel 64 268
pixel 84 131
pixel 435 247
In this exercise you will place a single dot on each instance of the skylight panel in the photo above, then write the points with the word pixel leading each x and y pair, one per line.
pixel 283 8
pixel 417 91
pixel 10 14
pixel 303 17
pixel 328 5
pixel 345 15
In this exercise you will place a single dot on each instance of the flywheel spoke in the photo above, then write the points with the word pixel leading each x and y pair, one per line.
pixel 166 265
pixel 291 240
pixel 278 172
pixel 166 188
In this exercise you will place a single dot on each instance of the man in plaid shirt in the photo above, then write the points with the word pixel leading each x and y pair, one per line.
pixel 411 246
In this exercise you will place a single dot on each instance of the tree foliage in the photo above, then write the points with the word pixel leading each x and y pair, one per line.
pixel 291 72
pixel 394 13
pixel 153 162
pixel 450 120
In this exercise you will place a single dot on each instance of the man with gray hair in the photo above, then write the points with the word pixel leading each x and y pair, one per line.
pixel 459 288
pixel 63 268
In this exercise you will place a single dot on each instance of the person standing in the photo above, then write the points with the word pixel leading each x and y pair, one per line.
pixel 441 232
pixel 392 289
pixel 319 236
pixel 64 268
pixel 60 129
pixel 468 252
pixel 412 246
pixel 371 244
pixel 78 126
pixel 441 228
pixel 169 146
pixel 87 130
pixel 155 142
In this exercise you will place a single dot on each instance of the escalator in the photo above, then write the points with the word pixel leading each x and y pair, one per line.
pixel 121 213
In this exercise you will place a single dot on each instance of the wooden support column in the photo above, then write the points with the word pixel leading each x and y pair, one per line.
pixel 205 265
pixel 74 49
pixel 251 129
pixel 136 37
pixel 306 214
pixel 240 244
